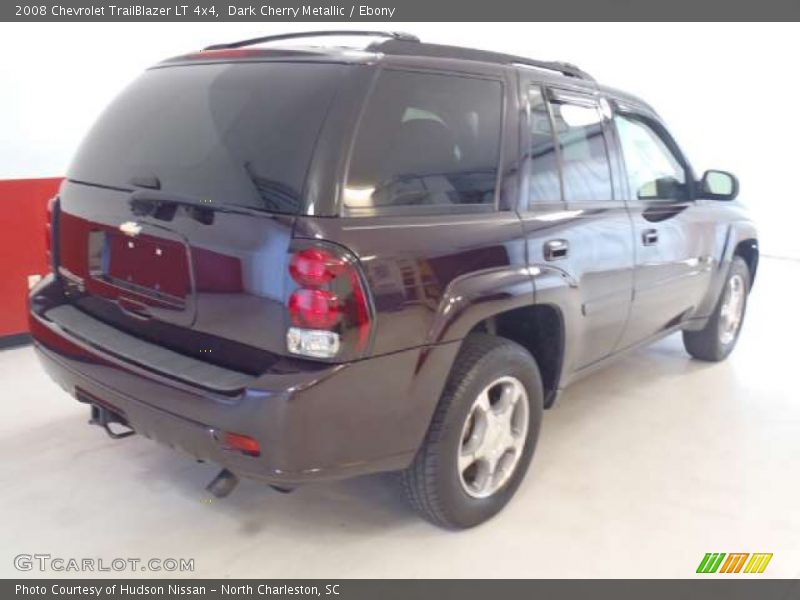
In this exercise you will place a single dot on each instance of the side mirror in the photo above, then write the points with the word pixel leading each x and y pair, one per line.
pixel 719 185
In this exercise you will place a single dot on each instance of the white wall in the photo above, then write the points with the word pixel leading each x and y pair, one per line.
pixel 727 90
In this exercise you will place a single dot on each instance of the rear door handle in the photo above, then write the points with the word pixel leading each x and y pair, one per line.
pixel 650 237
pixel 556 249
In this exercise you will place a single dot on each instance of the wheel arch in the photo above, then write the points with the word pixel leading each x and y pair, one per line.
pixel 475 297
pixel 539 328
pixel 740 240
pixel 747 249
pixel 536 307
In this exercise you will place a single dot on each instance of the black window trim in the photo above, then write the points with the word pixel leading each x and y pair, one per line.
pixel 525 204
pixel 432 210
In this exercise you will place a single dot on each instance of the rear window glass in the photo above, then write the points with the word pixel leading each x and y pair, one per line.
pixel 239 134
pixel 427 140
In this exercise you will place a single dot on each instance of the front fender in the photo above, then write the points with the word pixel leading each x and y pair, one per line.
pixel 737 231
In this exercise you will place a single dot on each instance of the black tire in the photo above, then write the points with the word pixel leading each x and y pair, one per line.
pixel 707 344
pixel 433 482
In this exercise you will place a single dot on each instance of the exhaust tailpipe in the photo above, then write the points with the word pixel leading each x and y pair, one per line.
pixel 223 484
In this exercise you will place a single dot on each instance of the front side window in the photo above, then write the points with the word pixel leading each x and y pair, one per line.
pixel 653 171
pixel 427 140
pixel 579 130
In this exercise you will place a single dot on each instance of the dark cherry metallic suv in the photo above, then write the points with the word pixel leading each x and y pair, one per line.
pixel 307 263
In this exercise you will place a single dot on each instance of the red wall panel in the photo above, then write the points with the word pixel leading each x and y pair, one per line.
pixel 23 210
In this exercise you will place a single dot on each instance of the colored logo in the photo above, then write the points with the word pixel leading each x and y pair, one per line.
pixel 719 562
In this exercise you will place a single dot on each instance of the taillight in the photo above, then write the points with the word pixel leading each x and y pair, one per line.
pixel 315 267
pixel 329 310
pixel 242 443
pixel 48 231
pixel 318 309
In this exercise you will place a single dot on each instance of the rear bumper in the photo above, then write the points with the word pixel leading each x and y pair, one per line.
pixel 312 423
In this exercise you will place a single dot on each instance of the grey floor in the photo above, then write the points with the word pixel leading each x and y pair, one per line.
pixel 641 469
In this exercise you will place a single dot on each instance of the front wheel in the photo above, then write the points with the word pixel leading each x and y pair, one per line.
pixel 717 339
pixel 482 436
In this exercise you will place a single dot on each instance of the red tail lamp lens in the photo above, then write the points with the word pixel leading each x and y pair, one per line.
pixel 329 313
pixel 317 309
pixel 315 267
pixel 243 443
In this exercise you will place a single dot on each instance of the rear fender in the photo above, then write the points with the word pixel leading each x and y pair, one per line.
pixel 473 297
pixel 478 296
pixel 556 287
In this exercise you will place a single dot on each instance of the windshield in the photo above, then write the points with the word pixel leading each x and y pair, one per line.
pixel 240 134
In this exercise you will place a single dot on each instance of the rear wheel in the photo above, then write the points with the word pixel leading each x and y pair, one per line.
pixel 482 436
pixel 717 339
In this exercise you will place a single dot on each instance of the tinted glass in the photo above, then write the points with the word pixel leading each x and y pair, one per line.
pixel 654 173
pixel 232 133
pixel 587 175
pixel 544 183
pixel 427 140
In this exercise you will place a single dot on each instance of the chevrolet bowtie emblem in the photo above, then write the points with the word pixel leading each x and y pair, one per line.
pixel 130 228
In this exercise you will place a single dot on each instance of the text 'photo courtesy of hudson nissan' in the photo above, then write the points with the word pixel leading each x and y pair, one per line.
pixel 311 262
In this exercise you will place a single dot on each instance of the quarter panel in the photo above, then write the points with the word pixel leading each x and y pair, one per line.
pixel 416 266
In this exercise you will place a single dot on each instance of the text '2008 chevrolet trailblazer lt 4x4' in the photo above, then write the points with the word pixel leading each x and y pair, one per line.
pixel 306 263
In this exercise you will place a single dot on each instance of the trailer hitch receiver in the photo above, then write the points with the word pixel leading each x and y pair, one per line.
pixel 104 418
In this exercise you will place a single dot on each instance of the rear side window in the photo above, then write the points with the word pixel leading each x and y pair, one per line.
pixel 427 140
pixel 239 134
pixel 579 131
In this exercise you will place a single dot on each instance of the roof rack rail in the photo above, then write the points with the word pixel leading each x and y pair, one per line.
pixel 565 68
pixel 400 46
pixel 394 35
pixel 406 44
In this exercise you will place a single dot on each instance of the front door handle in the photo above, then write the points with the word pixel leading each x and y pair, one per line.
pixel 555 249
pixel 650 237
